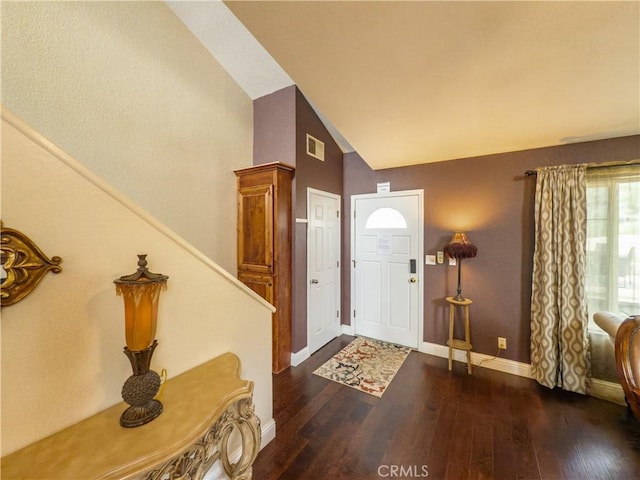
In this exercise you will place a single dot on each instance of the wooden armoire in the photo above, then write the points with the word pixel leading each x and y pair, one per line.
pixel 265 246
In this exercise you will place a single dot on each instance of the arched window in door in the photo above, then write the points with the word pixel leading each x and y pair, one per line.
pixel 386 218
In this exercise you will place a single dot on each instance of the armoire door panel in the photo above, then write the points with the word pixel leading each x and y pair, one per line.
pixel 255 223
pixel 261 284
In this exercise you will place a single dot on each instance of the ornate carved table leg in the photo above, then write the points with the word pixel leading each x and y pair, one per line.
pixel 214 445
pixel 241 417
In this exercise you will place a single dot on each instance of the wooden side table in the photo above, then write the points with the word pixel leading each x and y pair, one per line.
pixel 454 342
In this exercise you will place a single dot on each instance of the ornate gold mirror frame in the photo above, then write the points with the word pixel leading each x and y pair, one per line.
pixel 23 266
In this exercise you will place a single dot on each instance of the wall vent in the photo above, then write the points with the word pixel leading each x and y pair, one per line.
pixel 315 147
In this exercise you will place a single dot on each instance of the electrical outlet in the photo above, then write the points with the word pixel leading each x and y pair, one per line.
pixel 502 343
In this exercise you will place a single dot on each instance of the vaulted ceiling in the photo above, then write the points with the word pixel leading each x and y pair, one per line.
pixel 408 82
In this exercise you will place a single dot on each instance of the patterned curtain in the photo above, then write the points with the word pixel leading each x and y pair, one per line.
pixel 559 318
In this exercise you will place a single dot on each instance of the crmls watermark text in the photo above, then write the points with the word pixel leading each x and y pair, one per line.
pixel 403 471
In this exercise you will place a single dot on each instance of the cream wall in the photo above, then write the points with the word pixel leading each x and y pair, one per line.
pixel 62 346
pixel 128 91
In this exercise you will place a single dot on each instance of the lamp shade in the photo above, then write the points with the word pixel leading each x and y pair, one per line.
pixel 141 293
pixel 460 247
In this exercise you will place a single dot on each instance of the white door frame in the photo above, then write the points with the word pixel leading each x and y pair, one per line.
pixel 419 260
pixel 311 191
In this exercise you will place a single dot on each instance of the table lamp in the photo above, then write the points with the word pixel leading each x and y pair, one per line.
pixel 141 292
pixel 460 247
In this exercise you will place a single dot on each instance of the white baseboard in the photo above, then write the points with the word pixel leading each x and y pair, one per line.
pixel 298 357
pixel 500 364
pixel 216 472
pixel 612 392
pixel 268 433
pixel 348 330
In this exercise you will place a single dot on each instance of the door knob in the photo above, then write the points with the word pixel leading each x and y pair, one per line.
pixel 314 281
pixel 413 279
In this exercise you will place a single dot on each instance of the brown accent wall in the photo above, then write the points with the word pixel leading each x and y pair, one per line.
pixel 491 199
pixel 324 175
pixel 274 127
pixel 281 122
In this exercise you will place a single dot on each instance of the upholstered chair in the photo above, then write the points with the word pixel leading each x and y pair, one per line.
pixel 628 361
pixel 609 322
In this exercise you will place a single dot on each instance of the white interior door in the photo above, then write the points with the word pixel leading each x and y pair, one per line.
pixel 323 268
pixel 387 268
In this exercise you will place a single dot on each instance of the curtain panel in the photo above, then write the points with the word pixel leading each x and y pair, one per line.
pixel 559 318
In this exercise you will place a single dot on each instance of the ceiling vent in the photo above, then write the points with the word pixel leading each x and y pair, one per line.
pixel 315 147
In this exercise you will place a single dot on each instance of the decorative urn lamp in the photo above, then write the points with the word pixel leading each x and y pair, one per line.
pixel 141 292
pixel 460 247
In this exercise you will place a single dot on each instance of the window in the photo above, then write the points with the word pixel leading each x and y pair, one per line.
pixel 386 218
pixel 613 240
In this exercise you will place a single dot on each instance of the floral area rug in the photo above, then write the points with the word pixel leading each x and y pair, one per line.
pixel 365 364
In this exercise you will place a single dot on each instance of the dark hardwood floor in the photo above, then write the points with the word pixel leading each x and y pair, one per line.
pixel 436 424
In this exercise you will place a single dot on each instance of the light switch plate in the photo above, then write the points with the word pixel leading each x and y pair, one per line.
pixel 429 259
pixel 440 257
pixel 452 261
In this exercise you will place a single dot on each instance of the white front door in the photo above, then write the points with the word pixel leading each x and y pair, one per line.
pixel 323 268
pixel 387 269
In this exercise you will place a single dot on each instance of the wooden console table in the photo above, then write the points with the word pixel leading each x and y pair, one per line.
pixel 202 408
